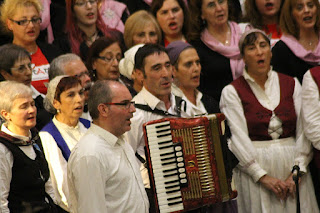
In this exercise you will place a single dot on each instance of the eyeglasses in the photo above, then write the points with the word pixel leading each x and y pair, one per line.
pixel 84 3
pixel 26 22
pixel 110 58
pixel 126 104
pixel 23 67
pixel 80 75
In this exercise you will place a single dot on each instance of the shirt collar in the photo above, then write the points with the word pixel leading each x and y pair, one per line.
pixel 249 78
pixel 178 92
pixel 65 126
pixel 151 100
pixel 106 135
pixel 21 137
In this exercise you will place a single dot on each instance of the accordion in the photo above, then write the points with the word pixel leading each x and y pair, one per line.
pixel 186 162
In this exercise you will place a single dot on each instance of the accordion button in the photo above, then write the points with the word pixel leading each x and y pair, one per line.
pixel 183 175
pixel 180 159
pixel 178 148
pixel 181 164
pixel 181 170
pixel 179 154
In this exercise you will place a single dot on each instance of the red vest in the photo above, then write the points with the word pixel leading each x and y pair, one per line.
pixel 258 117
pixel 315 73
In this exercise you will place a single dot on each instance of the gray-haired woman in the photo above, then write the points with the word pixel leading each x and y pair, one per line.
pixel 64 99
pixel 24 175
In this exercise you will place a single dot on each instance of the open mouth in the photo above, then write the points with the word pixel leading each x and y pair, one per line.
pixel 269 6
pixel 78 108
pixel 173 25
pixel 308 18
pixel 31 32
pixel 90 15
pixel 261 62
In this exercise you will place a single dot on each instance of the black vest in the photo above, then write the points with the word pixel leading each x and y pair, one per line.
pixel 27 186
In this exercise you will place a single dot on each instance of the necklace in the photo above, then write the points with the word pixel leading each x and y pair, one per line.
pixel 228 37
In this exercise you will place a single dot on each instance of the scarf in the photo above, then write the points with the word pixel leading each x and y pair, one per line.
pixel 232 52
pixel 311 57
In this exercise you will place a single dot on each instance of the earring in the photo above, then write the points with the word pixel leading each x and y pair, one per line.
pixel 58 111
pixel 204 22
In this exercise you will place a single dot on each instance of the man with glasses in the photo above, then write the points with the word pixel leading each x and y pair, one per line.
pixel 103 175
pixel 154 101
pixel 71 64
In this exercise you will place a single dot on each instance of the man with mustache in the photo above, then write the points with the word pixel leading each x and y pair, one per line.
pixel 103 175
pixel 153 102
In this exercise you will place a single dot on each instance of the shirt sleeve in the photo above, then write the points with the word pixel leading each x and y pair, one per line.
pixel 89 177
pixel 58 168
pixel 308 123
pixel 240 143
pixel 6 163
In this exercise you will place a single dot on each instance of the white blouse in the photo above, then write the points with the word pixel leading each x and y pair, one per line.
pixel 230 104
pixel 56 161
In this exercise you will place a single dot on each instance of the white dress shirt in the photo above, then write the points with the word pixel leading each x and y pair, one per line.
pixel 135 135
pixel 103 175
pixel 310 113
pixel 192 110
pixel 6 163
pixel 56 161
pixel 231 105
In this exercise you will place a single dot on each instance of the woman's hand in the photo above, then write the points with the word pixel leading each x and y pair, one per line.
pixel 291 185
pixel 278 187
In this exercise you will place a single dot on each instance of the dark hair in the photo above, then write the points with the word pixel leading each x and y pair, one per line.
pixel 96 48
pixel 65 84
pixel 157 4
pixel 251 38
pixel 9 54
pixel 145 51
pixel 253 16
pixel 99 93
pixel 197 23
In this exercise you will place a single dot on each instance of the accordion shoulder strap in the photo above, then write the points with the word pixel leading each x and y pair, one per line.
pixel 178 100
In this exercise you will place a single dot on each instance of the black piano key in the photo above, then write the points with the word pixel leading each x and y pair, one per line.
pixel 163 125
pixel 164 135
pixel 172 181
pixel 163 130
pixel 168 163
pixel 168 158
pixel 169 170
pixel 168 153
pixel 174 203
pixel 173 198
pixel 173 186
pixel 164 142
pixel 165 147
pixel 170 175
pixel 173 191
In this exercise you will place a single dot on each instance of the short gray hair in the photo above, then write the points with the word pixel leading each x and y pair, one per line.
pixel 9 91
pixel 58 64
pixel 100 92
